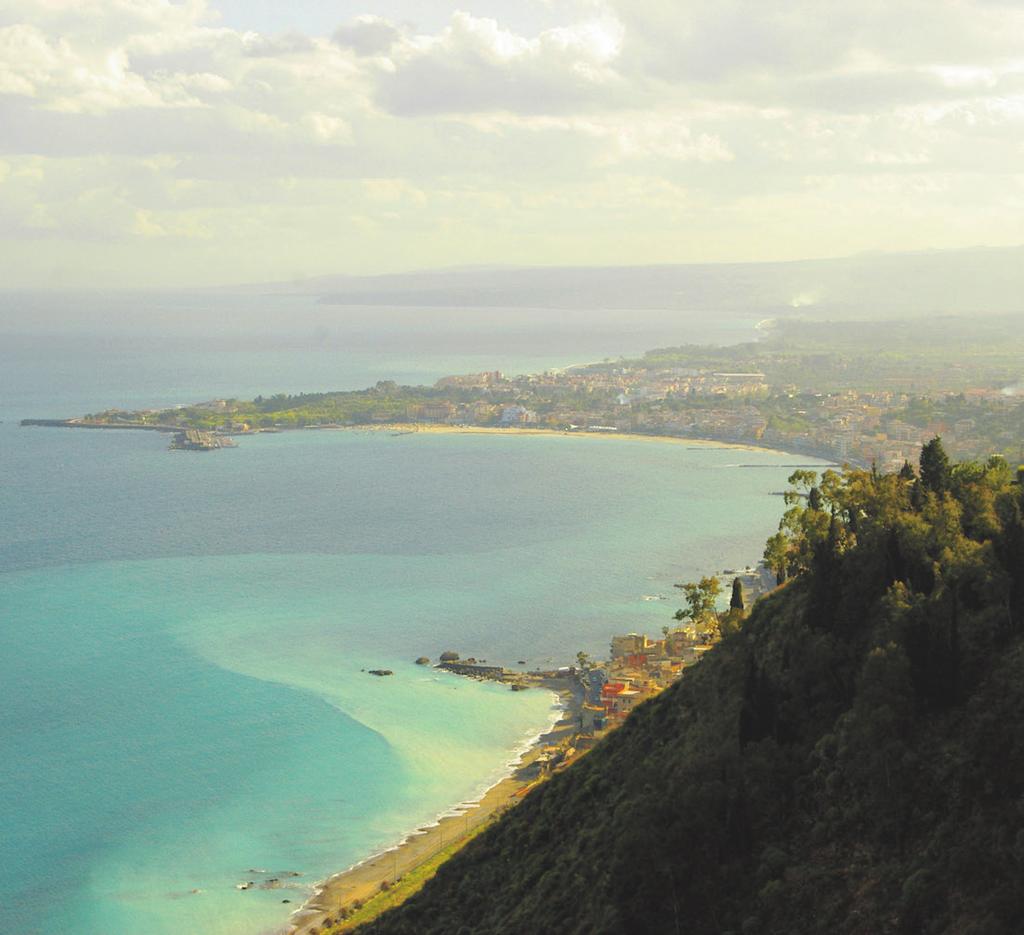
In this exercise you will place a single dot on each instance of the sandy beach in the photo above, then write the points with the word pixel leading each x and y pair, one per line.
pixel 364 880
pixel 434 428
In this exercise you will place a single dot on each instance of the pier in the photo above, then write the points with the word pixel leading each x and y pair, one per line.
pixel 194 440
pixel 474 670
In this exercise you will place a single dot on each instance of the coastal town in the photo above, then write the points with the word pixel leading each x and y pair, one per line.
pixel 596 697
pixel 855 407
pixel 638 666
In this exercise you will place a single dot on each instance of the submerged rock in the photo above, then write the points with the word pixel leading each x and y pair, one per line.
pixel 423 661
pixel 381 672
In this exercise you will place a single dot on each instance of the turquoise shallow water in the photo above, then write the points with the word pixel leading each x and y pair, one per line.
pixel 177 730
pixel 181 700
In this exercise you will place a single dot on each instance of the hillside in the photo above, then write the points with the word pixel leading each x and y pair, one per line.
pixel 851 761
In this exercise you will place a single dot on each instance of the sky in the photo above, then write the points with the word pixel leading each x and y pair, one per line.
pixel 198 142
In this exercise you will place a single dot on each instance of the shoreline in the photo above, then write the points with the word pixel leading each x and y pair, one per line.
pixel 378 871
pixel 434 428
pixel 369 876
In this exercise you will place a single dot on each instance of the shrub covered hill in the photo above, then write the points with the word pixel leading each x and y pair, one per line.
pixel 850 761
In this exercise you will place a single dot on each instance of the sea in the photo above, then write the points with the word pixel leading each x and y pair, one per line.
pixel 185 703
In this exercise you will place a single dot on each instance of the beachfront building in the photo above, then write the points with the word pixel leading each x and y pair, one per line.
pixel 518 415
pixel 442 411
pixel 592 718
pixel 619 698
pixel 482 412
pixel 630 644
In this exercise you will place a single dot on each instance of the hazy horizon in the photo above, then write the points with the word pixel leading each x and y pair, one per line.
pixel 654 300
pixel 312 282
pixel 213 142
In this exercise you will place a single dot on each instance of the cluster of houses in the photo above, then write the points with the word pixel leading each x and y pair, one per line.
pixel 638 668
pixel 635 384
pixel 848 426
pixel 865 428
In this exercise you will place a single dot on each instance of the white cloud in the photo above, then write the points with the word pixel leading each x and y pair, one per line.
pixel 368 35
pixel 731 130
pixel 327 128
pixel 269 46
pixel 475 65
pixel 621 137
pixel 63 77
pixel 714 41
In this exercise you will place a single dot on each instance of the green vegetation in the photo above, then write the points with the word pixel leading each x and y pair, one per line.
pixel 736 600
pixel 395 894
pixel 935 471
pixel 701 598
pixel 915 356
pixel 850 761
pixel 384 402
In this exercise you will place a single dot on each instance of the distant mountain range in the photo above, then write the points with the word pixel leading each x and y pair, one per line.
pixel 982 280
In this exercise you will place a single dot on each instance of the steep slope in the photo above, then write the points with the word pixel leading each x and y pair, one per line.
pixel 851 761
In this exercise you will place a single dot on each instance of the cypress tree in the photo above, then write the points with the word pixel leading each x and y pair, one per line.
pixel 736 601
pixel 935 469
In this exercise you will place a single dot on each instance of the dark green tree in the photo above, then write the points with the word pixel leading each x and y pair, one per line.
pixel 814 499
pixel 776 556
pixel 700 599
pixel 907 471
pixel 935 468
pixel 802 482
pixel 736 601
